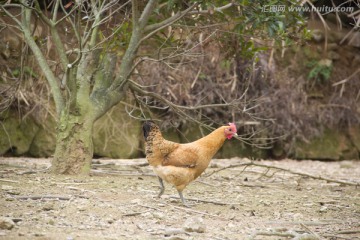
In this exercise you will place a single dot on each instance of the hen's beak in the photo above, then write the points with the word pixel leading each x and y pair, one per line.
pixel 236 135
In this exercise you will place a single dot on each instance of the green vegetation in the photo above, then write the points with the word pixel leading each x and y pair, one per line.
pixel 320 70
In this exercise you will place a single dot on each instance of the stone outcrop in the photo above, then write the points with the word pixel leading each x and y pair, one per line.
pixel 118 136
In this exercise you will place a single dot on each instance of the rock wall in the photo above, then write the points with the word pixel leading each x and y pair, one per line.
pixel 16 134
pixel 117 136
pixel 333 144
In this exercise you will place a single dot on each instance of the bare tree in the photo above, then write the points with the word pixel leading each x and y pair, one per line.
pixel 89 81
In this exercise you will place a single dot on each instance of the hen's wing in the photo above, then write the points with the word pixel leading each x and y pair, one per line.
pixel 182 156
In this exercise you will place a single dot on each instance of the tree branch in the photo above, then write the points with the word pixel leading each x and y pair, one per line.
pixel 154 28
pixel 144 18
pixel 348 78
pixel 135 12
pixel 52 80
pixel 103 99
pixel 137 88
pixel 104 75
pixel 59 46
pixel 95 25
pixel 217 9
pixel 133 86
pixel 158 26
pixel 87 67
pixel 135 40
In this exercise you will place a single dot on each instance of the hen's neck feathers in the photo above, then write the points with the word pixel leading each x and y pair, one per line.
pixel 215 138
pixel 213 141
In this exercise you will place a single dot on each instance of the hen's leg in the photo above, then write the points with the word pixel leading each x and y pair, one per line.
pixel 162 188
pixel 182 199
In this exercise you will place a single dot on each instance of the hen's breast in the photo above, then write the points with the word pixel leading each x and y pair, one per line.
pixel 175 175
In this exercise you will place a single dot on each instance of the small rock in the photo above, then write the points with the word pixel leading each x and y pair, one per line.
pixel 158 215
pixel 81 208
pixel 110 220
pixel 6 223
pixel 81 227
pixel 194 225
pixel 251 213
pixel 39 234
pixel 298 217
pixel 174 200
pixel 323 209
pixel 173 231
pixel 10 190
pixel 266 203
pixel 231 225
pixel 7 187
pixel 48 206
pixel 137 200
pixel 146 214
pixel 233 207
pixel 14 192
pixel 165 196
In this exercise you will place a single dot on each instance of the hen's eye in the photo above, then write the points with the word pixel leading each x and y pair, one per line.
pixel 230 129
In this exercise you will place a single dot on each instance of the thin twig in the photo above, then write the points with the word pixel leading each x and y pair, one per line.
pixel 207 184
pixel 135 213
pixel 310 231
pixel 278 234
pixel 357 71
pixel 333 236
pixel 349 232
pixel 32 171
pixel 38 197
pixel 73 183
pixel 146 206
pixel 286 170
pixel 135 174
pixel 206 201
pixel 80 189
pixel 7 180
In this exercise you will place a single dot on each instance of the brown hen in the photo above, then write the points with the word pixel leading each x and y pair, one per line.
pixel 180 164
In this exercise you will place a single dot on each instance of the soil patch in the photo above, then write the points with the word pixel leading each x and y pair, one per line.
pixel 118 201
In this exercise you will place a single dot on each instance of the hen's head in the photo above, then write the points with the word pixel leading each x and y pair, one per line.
pixel 230 131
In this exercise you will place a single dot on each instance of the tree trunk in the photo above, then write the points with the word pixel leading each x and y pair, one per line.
pixel 74 146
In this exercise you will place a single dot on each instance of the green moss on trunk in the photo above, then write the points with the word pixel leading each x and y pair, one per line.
pixel 74 147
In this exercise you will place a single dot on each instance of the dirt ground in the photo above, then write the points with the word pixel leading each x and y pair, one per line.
pixel 118 201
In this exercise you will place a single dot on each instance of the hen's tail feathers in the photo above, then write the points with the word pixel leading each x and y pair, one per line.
pixel 147 126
